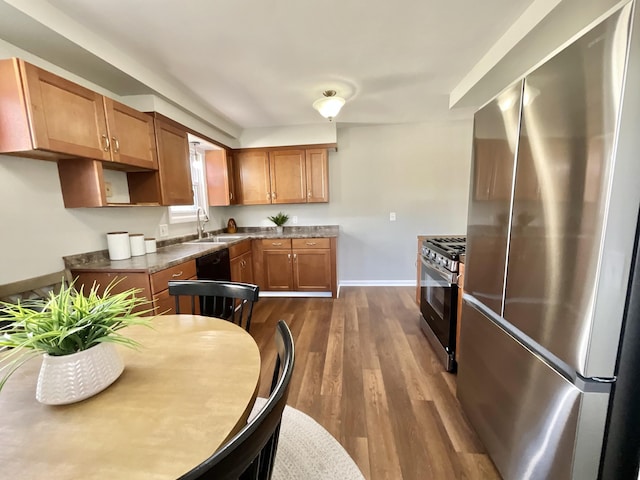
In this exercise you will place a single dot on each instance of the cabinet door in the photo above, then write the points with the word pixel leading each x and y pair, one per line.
pixel 246 268
pixel 312 269
pixel 288 179
pixel 219 169
pixel 252 175
pixel 126 280
pixel 277 270
pixel 173 164
pixel 165 304
pixel 65 117
pixel 236 269
pixel 132 135
pixel 317 175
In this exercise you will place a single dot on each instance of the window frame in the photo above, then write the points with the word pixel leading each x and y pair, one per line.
pixel 188 213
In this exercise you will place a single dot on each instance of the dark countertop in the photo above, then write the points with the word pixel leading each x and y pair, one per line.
pixel 176 253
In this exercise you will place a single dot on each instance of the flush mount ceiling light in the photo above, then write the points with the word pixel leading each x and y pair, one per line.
pixel 329 105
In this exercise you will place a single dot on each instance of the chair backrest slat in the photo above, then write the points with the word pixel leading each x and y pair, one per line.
pixel 218 298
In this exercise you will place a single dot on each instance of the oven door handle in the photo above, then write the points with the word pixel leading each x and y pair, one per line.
pixel 438 271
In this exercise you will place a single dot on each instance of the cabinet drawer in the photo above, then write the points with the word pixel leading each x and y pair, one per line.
pixel 311 243
pixel 239 248
pixel 276 243
pixel 166 304
pixel 183 271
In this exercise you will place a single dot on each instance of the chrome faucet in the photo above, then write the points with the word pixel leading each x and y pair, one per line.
pixel 200 224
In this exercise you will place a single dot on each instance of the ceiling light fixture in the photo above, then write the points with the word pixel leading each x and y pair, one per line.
pixel 329 105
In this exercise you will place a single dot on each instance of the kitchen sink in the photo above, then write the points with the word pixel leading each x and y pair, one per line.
pixel 206 240
pixel 219 239
pixel 229 238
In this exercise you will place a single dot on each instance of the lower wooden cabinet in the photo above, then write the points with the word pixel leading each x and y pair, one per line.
pixel 298 264
pixel 241 260
pixel 153 286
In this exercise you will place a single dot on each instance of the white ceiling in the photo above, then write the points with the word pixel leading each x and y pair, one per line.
pixel 262 63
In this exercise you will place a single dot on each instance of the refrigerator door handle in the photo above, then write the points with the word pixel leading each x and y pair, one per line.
pixel 545 355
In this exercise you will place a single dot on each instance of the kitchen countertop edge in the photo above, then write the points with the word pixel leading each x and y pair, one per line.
pixel 175 254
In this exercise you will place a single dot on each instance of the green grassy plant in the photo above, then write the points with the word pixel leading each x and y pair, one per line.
pixel 279 219
pixel 67 322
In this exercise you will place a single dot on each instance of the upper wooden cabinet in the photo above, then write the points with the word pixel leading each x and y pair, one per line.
pixel 282 176
pixel 287 176
pixel 253 185
pixel 45 116
pixel 220 178
pixel 317 167
pixel 173 160
pixel 82 180
pixel 132 135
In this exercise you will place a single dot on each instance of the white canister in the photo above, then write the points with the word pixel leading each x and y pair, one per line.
pixel 118 244
pixel 137 244
pixel 150 245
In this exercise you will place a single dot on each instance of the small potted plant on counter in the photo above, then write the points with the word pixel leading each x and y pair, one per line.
pixel 280 219
pixel 76 334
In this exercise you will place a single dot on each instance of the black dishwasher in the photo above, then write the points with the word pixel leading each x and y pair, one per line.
pixel 214 266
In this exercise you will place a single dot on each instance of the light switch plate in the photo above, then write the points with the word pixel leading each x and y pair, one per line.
pixel 164 230
pixel 294 219
pixel 392 216
pixel 108 190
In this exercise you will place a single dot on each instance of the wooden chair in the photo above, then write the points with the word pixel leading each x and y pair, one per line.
pixel 251 452
pixel 228 300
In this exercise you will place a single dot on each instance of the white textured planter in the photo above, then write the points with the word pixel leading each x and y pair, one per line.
pixel 279 229
pixel 71 378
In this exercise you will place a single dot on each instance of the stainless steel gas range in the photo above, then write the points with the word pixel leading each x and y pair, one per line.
pixel 439 295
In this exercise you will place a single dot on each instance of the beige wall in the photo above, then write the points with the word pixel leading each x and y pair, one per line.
pixel 36 231
pixel 420 171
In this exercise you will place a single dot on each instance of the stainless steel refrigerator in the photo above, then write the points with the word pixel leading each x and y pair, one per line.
pixel 554 202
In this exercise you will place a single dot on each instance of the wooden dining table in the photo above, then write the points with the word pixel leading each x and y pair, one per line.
pixel 187 389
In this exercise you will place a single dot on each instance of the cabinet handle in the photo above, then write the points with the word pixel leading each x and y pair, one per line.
pixel 289 257
pixel 230 195
pixel 116 145
pixel 295 257
pixel 276 244
pixel 273 196
pixel 309 194
pixel 106 145
pixel 268 195
pixel 177 274
pixel 311 244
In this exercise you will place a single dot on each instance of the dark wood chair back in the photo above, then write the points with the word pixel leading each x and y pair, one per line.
pixel 251 452
pixel 232 301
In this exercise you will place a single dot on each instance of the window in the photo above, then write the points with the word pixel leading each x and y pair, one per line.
pixel 187 213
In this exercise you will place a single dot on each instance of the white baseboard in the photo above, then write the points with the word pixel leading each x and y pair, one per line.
pixel 378 283
pixel 348 283
pixel 295 294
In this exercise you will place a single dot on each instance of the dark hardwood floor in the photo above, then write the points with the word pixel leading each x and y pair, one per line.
pixel 365 371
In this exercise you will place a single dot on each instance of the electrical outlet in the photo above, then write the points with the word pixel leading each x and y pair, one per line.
pixel 392 216
pixel 164 230
pixel 294 219
pixel 108 191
